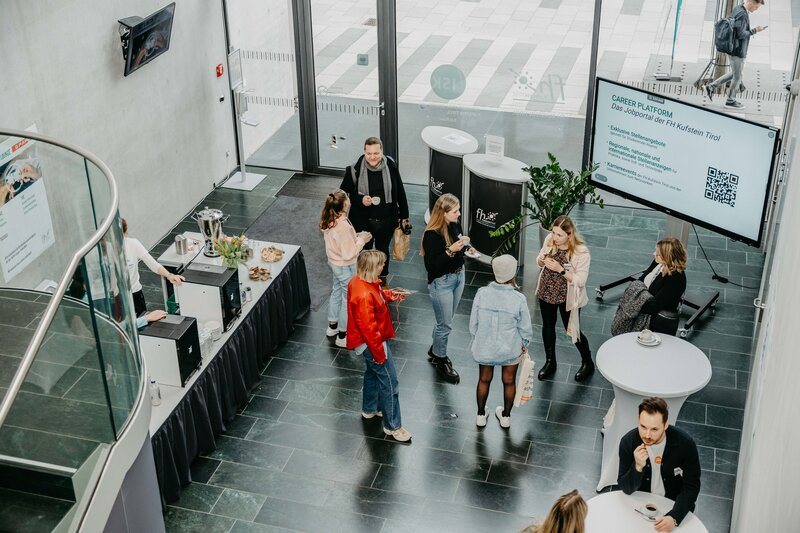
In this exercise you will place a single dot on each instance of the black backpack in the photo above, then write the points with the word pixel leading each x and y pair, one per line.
pixel 725 35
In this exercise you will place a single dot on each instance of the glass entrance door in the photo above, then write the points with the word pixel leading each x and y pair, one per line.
pixel 348 108
pixel 263 34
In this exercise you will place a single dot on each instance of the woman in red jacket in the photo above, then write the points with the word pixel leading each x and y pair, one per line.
pixel 369 326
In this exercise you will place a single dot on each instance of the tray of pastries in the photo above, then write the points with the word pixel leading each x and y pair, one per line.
pixel 271 254
pixel 259 273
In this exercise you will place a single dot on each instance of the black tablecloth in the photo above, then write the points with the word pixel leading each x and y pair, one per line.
pixel 224 385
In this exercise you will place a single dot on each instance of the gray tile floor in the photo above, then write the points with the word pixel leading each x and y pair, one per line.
pixel 298 457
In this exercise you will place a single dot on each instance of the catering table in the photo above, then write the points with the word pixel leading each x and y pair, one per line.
pixel 446 148
pixel 496 192
pixel 188 419
pixel 613 512
pixel 672 370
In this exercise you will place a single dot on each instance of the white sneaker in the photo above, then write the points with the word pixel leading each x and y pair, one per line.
pixel 341 342
pixel 331 332
pixel 367 416
pixel 480 420
pixel 399 434
pixel 505 421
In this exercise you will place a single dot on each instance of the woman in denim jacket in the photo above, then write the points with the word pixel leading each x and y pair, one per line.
pixel 500 324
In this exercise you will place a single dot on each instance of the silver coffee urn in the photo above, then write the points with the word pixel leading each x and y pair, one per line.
pixel 210 222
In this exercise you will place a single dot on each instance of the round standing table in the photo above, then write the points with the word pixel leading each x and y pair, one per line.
pixel 616 511
pixel 446 148
pixel 672 370
pixel 496 192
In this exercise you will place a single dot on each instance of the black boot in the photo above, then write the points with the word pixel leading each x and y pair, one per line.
pixel 586 370
pixel 548 369
pixel 445 368
pixel 431 356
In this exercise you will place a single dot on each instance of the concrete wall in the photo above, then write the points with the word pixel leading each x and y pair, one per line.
pixel 769 465
pixel 162 130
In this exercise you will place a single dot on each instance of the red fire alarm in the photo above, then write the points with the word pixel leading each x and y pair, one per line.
pixel 220 70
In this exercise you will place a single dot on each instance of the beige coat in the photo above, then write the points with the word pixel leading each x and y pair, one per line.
pixel 576 289
pixel 342 243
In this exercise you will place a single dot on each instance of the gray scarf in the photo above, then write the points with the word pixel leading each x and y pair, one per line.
pixel 363 178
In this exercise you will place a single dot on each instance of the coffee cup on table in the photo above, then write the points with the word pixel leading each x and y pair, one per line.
pixel 650 510
pixel 646 335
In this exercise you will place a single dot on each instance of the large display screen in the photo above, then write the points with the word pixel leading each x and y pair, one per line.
pixel 696 164
pixel 149 39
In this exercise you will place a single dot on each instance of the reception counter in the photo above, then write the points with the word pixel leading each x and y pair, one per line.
pixel 496 192
pixel 446 148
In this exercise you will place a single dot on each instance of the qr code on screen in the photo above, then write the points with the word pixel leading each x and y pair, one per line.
pixel 721 186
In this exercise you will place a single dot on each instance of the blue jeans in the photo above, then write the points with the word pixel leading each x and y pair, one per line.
pixel 445 293
pixel 381 389
pixel 337 306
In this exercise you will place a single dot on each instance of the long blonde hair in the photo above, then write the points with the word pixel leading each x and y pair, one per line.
pixel 568 515
pixel 334 205
pixel 444 204
pixel 573 237
pixel 367 265
pixel 673 254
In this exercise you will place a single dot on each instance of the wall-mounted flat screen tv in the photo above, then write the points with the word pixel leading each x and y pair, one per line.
pixel 149 38
pixel 697 164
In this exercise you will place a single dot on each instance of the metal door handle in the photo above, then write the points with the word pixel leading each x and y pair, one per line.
pixel 758 305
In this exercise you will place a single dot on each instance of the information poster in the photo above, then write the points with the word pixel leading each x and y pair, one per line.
pixel 691 162
pixel 26 228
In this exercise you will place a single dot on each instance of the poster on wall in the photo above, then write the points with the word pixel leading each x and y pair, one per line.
pixel 26 228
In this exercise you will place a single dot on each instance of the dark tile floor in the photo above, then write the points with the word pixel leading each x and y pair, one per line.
pixel 299 457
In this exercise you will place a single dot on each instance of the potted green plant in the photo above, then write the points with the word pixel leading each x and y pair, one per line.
pixel 553 191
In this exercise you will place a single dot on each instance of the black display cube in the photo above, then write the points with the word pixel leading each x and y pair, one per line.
pixel 446 148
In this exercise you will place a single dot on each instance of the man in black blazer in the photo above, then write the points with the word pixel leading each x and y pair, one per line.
pixel 655 446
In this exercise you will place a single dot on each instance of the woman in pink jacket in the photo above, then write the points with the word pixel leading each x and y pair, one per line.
pixel 561 290
pixel 342 245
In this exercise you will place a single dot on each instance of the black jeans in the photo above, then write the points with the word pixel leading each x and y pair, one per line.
pixel 382 230
pixel 139 303
pixel 549 318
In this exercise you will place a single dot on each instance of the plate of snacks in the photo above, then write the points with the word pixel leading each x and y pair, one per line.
pixel 271 254
pixel 259 273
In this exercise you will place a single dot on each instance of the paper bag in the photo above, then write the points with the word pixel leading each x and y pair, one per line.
pixel 525 380
pixel 402 243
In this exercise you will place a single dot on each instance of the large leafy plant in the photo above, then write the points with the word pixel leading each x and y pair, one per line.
pixel 553 191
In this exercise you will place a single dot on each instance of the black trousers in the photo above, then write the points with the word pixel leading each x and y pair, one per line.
pixel 549 317
pixel 139 304
pixel 382 230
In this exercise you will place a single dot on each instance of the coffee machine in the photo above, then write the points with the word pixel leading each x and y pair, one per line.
pixel 210 222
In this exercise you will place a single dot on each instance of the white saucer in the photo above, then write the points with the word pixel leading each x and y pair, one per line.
pixel 655 342
pixel 472 253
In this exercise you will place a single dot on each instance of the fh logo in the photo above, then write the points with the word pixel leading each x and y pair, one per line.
pixel 487 219
pixel 436 187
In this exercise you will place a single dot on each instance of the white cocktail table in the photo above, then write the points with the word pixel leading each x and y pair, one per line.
pixel 672 370
pixel 614 512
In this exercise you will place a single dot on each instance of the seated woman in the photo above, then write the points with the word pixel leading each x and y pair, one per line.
pixel 656 293
pixel 665 278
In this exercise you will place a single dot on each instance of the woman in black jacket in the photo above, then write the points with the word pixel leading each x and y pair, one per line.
pixel 665 277
pixel 377 197
pixel 443 251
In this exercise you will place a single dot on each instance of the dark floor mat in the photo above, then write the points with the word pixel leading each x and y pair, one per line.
pixel 310 186
pixel 294 220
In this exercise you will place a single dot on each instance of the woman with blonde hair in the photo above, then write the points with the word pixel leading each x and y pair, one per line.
pixel 568 515
pixel 561 289
pixel 369 327
pixel 443 251
pixel 342 245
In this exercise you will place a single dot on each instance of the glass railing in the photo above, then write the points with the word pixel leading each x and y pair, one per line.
pixel 70 371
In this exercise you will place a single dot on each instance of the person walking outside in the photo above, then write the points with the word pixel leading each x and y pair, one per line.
pixel 443 251
pixel 369 327
pixel 342 245
pixel 561 289
pixel 378 197
pixel 743 32
pixel 500 324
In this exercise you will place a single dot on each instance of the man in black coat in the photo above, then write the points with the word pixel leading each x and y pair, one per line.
pixel 378 199
pixel 660 459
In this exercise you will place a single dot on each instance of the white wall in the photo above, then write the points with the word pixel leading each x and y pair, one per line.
pixel 161 130
pixel 769 463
